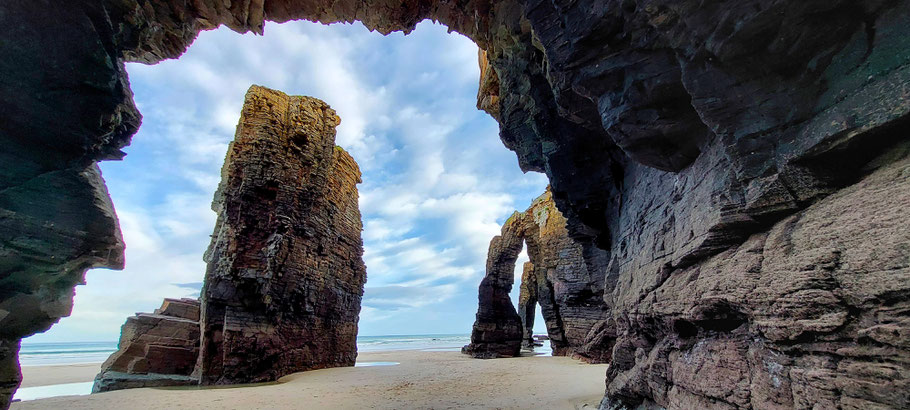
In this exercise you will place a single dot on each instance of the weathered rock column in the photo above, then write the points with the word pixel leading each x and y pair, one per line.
pixel 53 228
pixel 527 303
pixel 285 271
pixel 497 332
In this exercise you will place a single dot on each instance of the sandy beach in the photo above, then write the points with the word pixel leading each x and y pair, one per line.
pixel 33 376
pixel 421 380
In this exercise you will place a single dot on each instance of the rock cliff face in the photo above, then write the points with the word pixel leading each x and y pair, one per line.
pixel 285 269
pixel 672 132
pixel 155 349
pixel 557 278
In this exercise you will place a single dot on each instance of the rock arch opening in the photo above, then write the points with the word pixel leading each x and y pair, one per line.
pixel 723 156
pixel 564 280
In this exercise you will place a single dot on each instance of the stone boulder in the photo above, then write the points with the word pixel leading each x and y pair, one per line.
pixel 155 349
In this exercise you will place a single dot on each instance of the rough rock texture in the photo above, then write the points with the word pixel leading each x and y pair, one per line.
pixel 285 271
pixel 47 242
pixel 155 349
pixel 498 331
pixel 557 278
pixel 671 132
pixel 527 304
pixel 810 313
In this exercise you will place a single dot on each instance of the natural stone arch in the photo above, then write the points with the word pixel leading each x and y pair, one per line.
pixel 758 110
pixel 560 278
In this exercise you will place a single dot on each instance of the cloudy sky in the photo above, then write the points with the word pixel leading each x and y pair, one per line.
pixel 437 181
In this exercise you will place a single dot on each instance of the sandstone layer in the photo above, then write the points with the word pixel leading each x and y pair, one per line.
pixel 558 278
pixel 671 131
pixel 155 349
pixel 285 271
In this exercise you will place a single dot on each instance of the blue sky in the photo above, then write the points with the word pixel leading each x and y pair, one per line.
pixel 437 181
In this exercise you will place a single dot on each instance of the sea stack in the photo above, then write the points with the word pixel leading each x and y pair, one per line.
pixel 285 273
pixel 564 278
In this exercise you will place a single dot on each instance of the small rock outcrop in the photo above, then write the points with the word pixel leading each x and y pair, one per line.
pixel 566 284
pixel 285 273
pixel 155 349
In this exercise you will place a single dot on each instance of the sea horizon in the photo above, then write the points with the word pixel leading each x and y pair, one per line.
pixel 68 353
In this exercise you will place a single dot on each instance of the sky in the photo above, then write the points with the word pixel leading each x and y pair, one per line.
pixel 437 181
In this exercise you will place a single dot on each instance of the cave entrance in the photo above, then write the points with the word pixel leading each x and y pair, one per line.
pixel 437 182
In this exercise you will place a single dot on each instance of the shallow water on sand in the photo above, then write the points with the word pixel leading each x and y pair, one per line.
pixel 54 390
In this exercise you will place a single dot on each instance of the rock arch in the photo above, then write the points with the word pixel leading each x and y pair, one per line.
pixel 566 283
pixel 677 135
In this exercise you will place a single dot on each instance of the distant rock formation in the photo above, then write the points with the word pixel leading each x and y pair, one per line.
pixel 498 330
pixel 285 272
pixel 527 304
pixel 155 349
pixel 560 277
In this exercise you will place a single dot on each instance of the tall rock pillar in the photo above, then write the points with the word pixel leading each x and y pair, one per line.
pixel 497 331
pixel 285 270
pixel 527 303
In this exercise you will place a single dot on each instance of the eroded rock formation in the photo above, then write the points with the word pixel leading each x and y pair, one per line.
pixel 498 331
pixel 285 267
pixel 527 304
pixel 285 272
pixel 671 131
pixel 155 349
pixel 557 278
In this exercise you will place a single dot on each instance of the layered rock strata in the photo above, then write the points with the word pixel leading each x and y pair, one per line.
pixel 527 304
pixel 558 278
pixel 671 132
pixel 155 349
pixel 498 330
pixel 285 271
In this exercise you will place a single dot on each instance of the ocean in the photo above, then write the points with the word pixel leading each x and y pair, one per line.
pixel 44 354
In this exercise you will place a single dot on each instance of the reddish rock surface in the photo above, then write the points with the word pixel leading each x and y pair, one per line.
pixel 155 349
pixel 285 272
